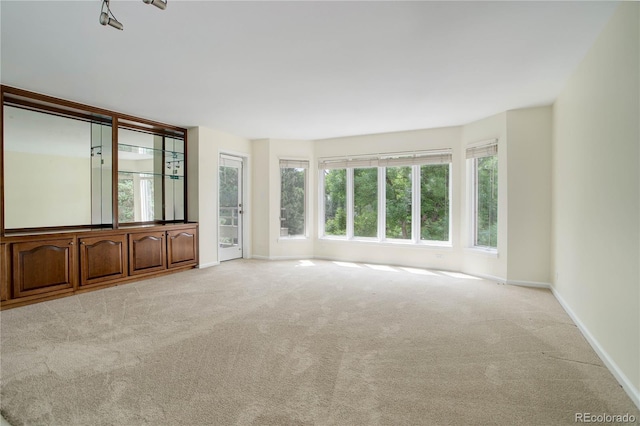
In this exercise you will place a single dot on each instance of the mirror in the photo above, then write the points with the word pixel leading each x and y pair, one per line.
pixel 57 170
pixel 150 177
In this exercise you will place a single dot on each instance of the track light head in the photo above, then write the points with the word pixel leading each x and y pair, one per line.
pixel 105 20
pixel 160 4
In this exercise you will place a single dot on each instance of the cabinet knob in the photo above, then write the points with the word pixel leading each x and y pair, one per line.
pixel 83 243
pixel 71 243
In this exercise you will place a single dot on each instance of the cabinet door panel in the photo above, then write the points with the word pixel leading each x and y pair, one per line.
pixel 147 253
pixel 181 247
pixel 5 267
pixel 43 266
pixel 103 259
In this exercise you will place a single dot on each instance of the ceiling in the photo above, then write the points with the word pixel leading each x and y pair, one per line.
pixel 300 70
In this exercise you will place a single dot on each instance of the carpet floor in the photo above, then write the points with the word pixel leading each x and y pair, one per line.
pixel 302 343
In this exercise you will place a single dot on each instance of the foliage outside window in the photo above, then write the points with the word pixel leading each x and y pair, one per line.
pixel 365 202
pixel 292 199
pixel 398 202
pixel 434 202
pixel 126 200
pixel 335 202
pixel 486 201
pixel 412 206
pixel 484 175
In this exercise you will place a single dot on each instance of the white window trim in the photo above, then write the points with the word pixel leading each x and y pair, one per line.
pixel 415 239
pixel 472 211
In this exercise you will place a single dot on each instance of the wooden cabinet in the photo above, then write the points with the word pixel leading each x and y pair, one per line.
pixel 147 252
pixel 182 247
pixel 43 266
pixel 102 259
pixel 36 267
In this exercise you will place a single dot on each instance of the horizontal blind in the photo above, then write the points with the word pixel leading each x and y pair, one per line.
pixel 388 160
pixel 294 164
pixel 417 160
pixel 229 161
pixel 485 150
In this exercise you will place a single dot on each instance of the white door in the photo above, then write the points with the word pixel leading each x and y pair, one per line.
pixel 230 211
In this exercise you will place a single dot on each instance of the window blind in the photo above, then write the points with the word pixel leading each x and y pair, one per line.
pixel 388 160
pixel 294 164
pixel 229 161
pixel 484 150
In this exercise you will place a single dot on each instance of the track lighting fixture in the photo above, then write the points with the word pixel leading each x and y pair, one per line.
pixel 160 4
pixel 107 18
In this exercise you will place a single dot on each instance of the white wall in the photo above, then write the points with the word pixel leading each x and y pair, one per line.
pixel 261 199
pixel 596 195
pixel 529 195
pixel 204 147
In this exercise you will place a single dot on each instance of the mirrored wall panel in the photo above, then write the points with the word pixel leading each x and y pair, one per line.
pixel 57 170
pixel 150 177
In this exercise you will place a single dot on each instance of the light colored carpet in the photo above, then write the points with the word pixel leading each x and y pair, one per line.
pixel 302 342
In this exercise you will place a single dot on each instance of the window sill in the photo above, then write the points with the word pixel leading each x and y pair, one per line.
pixel 488 252
pixel 437 245
pixel 291 239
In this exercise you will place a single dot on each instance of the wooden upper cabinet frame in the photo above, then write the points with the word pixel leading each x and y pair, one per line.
pixel 12 96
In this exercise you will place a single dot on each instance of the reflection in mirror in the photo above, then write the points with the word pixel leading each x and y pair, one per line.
pixel 150 177
pixel 48 171
pixel 139 173
pixel 174 181
pixel 101 162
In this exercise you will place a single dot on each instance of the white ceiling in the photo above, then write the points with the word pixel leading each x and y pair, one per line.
pixel 300 70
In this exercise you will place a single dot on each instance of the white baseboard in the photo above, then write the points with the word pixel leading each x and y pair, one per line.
pixel 259 257
pixel 208 265
pixel 485 277
pixel 624 381
pixel 533 284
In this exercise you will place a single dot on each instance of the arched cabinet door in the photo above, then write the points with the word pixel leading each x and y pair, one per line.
pixel 147 252
pixel 102 259
pixel 182 247
pixel 44 266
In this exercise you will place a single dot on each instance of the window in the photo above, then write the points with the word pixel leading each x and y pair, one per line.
pixel 293 199
pixel 484 173
pixel 335 202
pixel 365 202
pixel 398 202
pixel 401 197
pixel 434 202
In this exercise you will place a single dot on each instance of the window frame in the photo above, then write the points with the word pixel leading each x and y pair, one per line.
pixel 381 163
pixel 474 153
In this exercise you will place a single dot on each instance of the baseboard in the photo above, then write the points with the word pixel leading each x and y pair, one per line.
pixel 208 265
pixel 259 257
pixel 624 381
pixel 533 284
pixel 486 277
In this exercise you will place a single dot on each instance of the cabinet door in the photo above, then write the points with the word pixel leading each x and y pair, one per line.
pixel 5 263
pixel 43 266
pixel 102 259
pixel 147 252
pixel 182 247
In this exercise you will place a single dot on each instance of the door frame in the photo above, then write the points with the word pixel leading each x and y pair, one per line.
pixel 246 207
